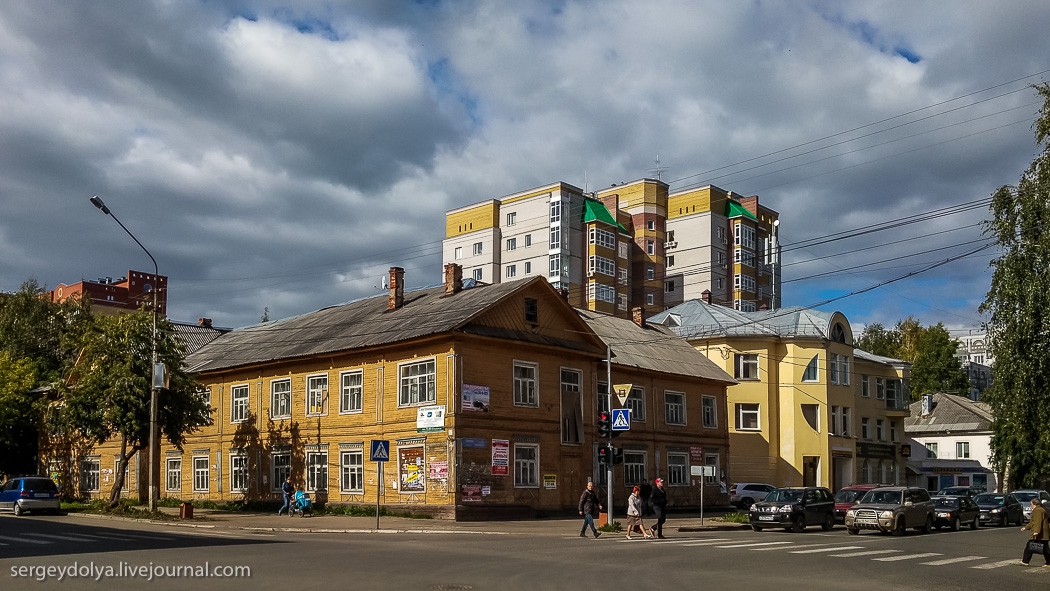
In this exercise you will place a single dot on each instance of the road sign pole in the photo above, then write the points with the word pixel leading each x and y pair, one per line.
pixel 377 493
pixel 609 465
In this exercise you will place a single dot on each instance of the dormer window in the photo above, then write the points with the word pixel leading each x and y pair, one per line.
pixel 532 313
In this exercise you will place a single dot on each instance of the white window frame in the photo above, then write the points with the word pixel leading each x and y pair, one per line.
pixel 201 473
pixel 408 383
pixel 669 286
pixel 669 262
pixel 714 479
pixel 880 388
pixel 478 248
pixel 865 428
pixel 279 470
pixel 636 402
pixel 316 462
pixel 351 396
pixel 650 299
pixel 674 411
pixel 865 390
pixel 525 387
pixel 835 420
pixel 844 374
pixel 745 410
pixel 931 450
pixel 746 366
pixel 528 240
pixel 650 273
pixel 812 371
pixel 650 247
pixel 238 472
pixel 528 267
pixel 457 254
pixel 962 450
pixel 677 469
pixel 281 400
pixel 603 399
pixel 239 395
pixel 173 474
pixel 476 274
pixel 833 368
pixel 621 250
pixel 352 471
pixel 880 429
pixel 847 421
pixel 634 471
pixel 512 244
pixel 709 411
pixel 527 469
pixel 91 474
pixel 317 395
pixel 512 218
pixel 510 271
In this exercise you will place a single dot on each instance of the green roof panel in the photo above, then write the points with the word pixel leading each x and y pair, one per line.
pixel 594 210
pixel 735 210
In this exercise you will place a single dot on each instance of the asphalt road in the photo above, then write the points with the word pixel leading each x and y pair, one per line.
pixel 980 560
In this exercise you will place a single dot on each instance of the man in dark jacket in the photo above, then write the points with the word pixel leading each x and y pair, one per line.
pixel 590 507
pixel 646 493
pixel 1040 528
pixel 659 500
pixel 288 489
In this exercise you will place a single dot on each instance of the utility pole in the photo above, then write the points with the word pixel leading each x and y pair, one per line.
pixel 609 443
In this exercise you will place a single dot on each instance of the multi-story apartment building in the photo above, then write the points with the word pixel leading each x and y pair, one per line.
pixel 808 409
pixel 108 295
pixel 626 246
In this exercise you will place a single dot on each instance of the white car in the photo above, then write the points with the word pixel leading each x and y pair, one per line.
pixel 1025 497
pixel 745 494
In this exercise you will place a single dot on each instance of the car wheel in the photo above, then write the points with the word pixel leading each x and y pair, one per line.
pixel 901 526
pixel 829 523
pixel 975 523
pixel 799 525
pixel 745 504
pixel 928 525
pixel 19 510
pixel 955 524
pixel 756 527
pixel 852 531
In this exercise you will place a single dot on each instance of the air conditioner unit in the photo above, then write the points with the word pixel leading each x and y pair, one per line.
pixel 590 274
pixel 723 265
pixel 725 241
pixel 671 244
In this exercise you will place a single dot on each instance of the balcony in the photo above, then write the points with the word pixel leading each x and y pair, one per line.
pixel 895 402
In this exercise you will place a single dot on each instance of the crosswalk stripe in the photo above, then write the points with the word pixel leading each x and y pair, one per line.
pixel 999 564
pixel 783 548
pixel 66 538
pixel 907 557
pixel 23 540
pixel 708 543
pixel 683 541
pixel 832 549
pixel 754 544
pixel 953 560
pixel 867 553
pixel 101 537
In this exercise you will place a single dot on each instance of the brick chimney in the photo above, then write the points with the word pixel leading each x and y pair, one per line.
pixel 638 315
pixel 706 296
pixel 453 279
pixel 396 299
pixel 204 322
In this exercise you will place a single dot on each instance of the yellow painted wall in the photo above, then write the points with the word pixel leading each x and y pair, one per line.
pixel 480 217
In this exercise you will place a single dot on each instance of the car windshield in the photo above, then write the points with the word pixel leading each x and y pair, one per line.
pixel 883 497
pixel 990 499
pixel 40 484
pixel 1024 497
pixel 848 496
pixel 947 502
pixel 785 496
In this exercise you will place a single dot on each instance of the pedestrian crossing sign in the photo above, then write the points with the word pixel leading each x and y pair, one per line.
pixel 380 450
pixel 621 419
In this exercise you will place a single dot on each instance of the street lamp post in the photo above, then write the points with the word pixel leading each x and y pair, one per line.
pixel 153 404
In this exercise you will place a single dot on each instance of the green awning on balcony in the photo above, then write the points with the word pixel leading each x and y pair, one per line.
pixel 735 210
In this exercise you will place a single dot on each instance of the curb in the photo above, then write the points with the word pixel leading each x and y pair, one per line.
pixel 720 527
pixel 305 530
pixel 149 521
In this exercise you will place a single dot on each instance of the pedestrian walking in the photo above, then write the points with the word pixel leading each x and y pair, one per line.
pixel 1039 525
pixel 590 507
pixel 646 493
pixel 634 513
pixel 289 491
pixel 659 500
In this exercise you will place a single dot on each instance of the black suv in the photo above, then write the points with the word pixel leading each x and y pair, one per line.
pixel 794 508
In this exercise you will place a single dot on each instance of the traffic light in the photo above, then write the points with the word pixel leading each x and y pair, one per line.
pixel 604 425
pixel 617 455
pixel 604 456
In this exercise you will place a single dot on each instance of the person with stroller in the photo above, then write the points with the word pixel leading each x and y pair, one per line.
pixel 288 490
pixel 301 504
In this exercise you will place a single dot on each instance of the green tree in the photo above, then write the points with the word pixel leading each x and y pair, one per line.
pixel 110 391
pixel 19 415
pixel 1019 302
pixel 875 338
pixel 935 367
pixel 911 333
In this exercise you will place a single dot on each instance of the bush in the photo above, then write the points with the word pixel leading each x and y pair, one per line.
pixel 615 526
pixel 366 511
pixel 737 517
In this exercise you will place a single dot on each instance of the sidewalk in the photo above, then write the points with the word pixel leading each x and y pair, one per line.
pixel 271 522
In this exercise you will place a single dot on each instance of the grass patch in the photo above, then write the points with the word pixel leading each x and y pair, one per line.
pixel 131 508
pixel 613 527
pixel 737 517
pixel 365 511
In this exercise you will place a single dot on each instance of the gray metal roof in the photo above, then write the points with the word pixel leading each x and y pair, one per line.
pixel 195 336
pixel 368 323
pixel 862 354
pixel 698 319
pixel 654 348
pixel 950 413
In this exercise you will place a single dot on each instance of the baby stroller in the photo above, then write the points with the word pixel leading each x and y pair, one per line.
pixel 301 504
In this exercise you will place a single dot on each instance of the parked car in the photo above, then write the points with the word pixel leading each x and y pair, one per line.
pixel 1000 509
pixel 849 496
pixel 744 494
pixel 1025 498
pixel 955 511
pixel 794 508
pixel 959 491
pixel 29 493
pixel 892 509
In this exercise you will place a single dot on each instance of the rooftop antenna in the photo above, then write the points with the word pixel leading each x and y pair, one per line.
pixel 585 180
pixel 382 284
pixel 658 170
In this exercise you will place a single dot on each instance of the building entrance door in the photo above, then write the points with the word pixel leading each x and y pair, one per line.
pixel 810 467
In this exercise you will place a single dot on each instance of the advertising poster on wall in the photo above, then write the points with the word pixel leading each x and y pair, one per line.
pixel 471 493
pixel 475 398
pixel 439 470
pixel 430 419
pixel 410 465
pixel 500 457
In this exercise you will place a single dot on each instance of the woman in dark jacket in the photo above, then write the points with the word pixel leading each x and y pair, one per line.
pixel 659 501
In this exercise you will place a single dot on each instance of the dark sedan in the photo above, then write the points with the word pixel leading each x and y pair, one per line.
pixel 794 508
pixel 999 509
pixel 955 511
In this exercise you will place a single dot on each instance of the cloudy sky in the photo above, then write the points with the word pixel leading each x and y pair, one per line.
pixel 283 156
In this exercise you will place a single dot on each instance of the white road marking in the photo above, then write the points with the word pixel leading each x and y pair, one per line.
pixel 907 557
pixel 102 537
pixel 802 546
pixel 953 560
pixel 23 540
pixel 832 549
pixel 755 544
pixel 867 553
pixel 68 538
pixel 708 542
pixel 683 541
pixel 999 564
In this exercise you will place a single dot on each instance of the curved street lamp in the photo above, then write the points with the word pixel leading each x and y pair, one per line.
pixel 158 369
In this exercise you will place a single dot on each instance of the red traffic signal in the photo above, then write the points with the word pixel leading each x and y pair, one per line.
pixel 604 425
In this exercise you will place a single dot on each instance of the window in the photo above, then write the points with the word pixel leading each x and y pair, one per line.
pixel 893 431
pixel 962 450
pixel 173 477
pixel 743 235
pixel 847 422
pixel 597 264
pixel 238 404
pixel 744 257
pixel 525 384
pixel 712 460
pixel 351 471
pixel 526 465
pixel 532 310
pixel 811 374
pixel 89 474
pixel 650 299
pixel 722 258
pixel 710 411
pixel 650 273
pixel 512 243
pixel 744 282
pixel 602 238
pixel 650 247
pixel 478 248
pixel 747 417
pixel 458 253
pixel 205 396
pixel 528 267
pixel 603 397
pixel 238 473
pixel 836 420
pixel 417 383
pixel 677 469
pixel 528 240
pixel 350 391
pixel 669 286
pixel 844 375
pixel 316 471
pixel 879 432
pixel 281 468
pixel 622 250
pixel 880 388
pixel 650 225
pixel 719 283
pixel 674 408
pixel 622 301
pixel 476 274
pixel 633 467
pixel 720 233
pixel 670 261
pixel 833 367
pixel 864 387
pixel 865 428
pixel 555 211
pixel 636 402
pixel 746 366
pixel 600 292
pixel 670 236
pixel 201 474
pixel 316 395
pixel 555 237
pixel 555 267
pixel 512 217
pixel 622 273
pixel 281 399
pixel 511 271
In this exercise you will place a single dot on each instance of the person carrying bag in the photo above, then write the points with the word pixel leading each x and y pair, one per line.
pixel 1039 525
